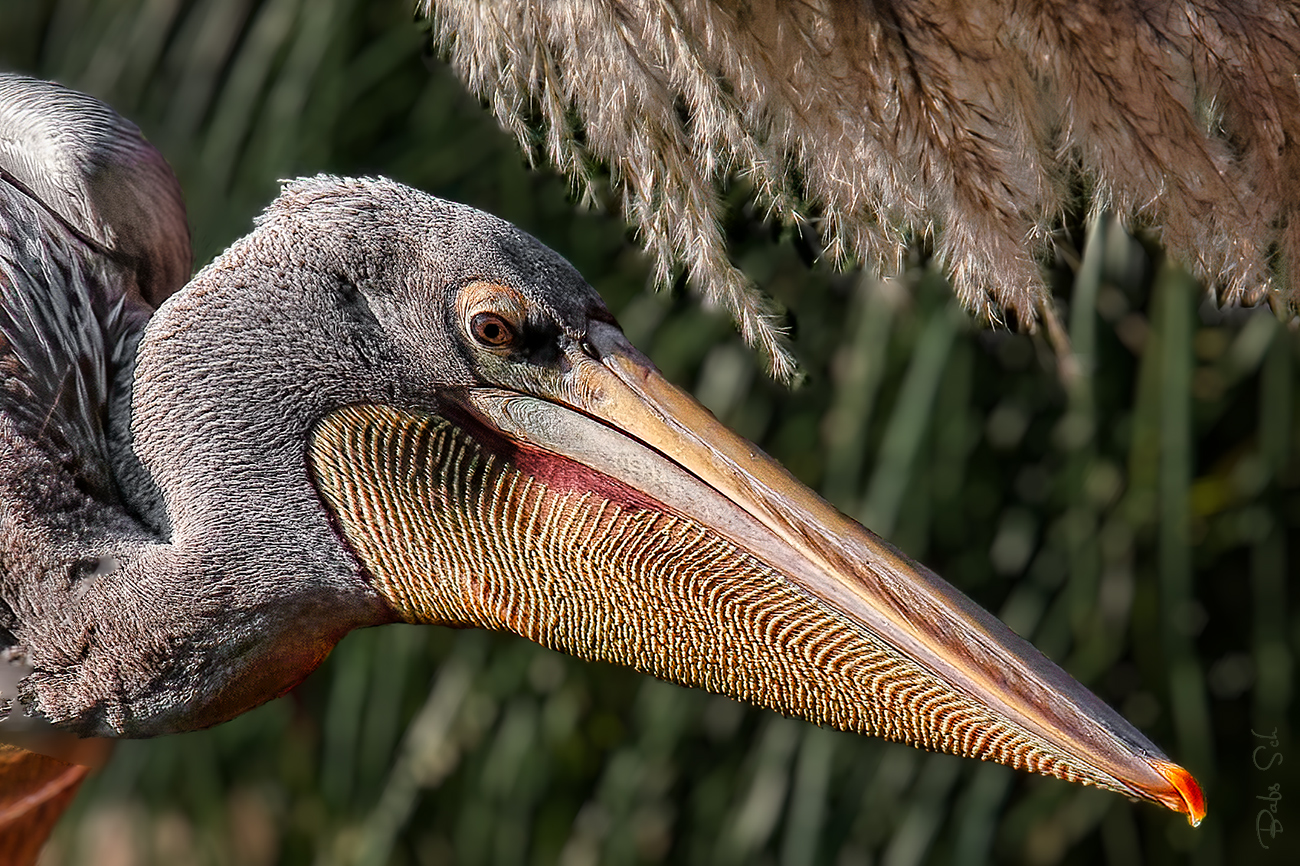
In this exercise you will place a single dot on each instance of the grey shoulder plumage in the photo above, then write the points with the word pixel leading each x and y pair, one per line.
pixel 92 229
pixel 94 171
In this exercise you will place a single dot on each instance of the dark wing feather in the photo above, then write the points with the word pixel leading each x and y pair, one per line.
pixel 63 336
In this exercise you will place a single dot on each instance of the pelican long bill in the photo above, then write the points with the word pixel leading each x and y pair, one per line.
pixel 589 505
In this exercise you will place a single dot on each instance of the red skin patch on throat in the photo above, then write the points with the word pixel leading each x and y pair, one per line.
pixel 557 472
pixel 562 474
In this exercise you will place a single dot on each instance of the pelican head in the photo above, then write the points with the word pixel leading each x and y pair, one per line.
pixel 381 406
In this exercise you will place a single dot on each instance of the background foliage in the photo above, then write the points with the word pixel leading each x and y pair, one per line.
pixel 1136 513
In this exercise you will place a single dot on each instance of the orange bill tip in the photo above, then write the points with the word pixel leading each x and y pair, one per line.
pixel 1193 799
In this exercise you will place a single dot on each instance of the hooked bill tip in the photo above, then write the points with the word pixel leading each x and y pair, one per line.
pixel 1193 798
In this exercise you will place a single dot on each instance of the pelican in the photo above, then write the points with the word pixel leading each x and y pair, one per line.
pixel 381 406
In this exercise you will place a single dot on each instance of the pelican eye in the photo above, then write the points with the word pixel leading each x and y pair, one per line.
pixel 492 330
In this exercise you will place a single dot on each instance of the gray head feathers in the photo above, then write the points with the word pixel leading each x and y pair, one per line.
pixel 973 125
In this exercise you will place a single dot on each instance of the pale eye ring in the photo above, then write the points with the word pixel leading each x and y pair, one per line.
pixel 492 330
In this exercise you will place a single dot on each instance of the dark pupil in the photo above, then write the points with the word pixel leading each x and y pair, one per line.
pixel 491 330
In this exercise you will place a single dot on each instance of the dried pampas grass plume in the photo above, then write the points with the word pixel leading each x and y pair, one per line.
pixel 975 124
